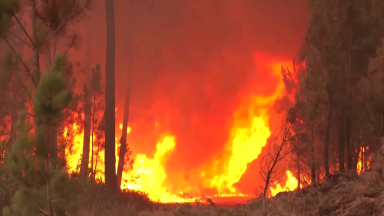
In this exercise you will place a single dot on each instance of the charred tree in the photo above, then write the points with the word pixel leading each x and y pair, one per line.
pixel 348 147
pixel 96 130
pixel 271 169
pixel 87 103
pixel 123 140
pixel 110 158
pixel 298 173
pixel 341 146
pixel 326 142
pixel 312 162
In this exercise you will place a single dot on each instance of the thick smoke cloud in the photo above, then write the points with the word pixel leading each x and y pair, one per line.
pixel 193 62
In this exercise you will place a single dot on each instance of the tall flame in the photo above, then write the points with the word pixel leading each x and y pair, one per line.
pixel 152 174
pixel 248 136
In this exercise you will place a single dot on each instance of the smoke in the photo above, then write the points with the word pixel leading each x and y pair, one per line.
pixel 193 62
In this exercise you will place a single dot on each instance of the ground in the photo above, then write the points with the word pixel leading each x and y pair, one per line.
pixel 342 195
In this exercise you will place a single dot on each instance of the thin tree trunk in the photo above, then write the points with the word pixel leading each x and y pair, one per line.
pixel 87 134
pixel 326 142
pixel 123 141
pixel 92 135
pixel 341 146
pixel 318 178
pixel 14 115
pixel 298 173
pixel 54 127
pixel 48 160
pixel 356 157
pixel 36 72
pixel 313 165
pixel 47 55
pixel 87 103
pixel 382 133
pixel 348 113
pixel 275 157
pixel 110 157
pixel 365 161
pixel 348 147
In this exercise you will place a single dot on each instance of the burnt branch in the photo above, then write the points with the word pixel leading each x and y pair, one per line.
pixel 272 169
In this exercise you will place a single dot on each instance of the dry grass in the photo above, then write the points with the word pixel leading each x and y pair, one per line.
pixel 343 195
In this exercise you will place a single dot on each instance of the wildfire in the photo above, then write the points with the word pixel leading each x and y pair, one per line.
pixel 246 147
pixel 73 153
pixel 363 162
pixel 249 135
pixel 151 174
pixel 290 185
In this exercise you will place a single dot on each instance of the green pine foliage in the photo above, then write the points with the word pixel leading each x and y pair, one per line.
pixel 34 185
pixel 52 94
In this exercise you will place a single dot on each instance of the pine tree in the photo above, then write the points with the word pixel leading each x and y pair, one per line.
pixel 49 20
pixel 36 188
pixel 337 49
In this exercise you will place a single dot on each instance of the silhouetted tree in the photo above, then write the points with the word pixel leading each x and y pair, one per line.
pixel 272 168
pixel 110 156
pixel 124 153
pixel 87 102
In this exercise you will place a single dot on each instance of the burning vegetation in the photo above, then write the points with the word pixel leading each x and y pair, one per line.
pixel 196 124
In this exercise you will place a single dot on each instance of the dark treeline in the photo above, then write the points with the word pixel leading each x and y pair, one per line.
pixel 336 90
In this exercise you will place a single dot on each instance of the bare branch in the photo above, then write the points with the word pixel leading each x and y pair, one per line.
pixel 271 169
pixel 13 50
pixel 55 32
pixel 25 31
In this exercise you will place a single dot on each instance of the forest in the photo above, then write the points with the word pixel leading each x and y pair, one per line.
pixel 317 141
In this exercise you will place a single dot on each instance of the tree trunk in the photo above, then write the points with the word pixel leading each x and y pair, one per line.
pixel 326 142
pixel 348 147
pixel 53 127
pixel 13 124
pixel 110 157
pixel 92 135
pixel 347 129
pixel 47 56
pixel 341 146
pixel 14 111
pixel 298 173
pixel 36 73
pixel 87 103
pixel 382 134
pixel 313 165
pixel 87 132
pixel 356 157
pixel 123 141
pixel 36 51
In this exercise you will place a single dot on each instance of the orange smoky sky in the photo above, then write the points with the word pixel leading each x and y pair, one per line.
pixel 193 63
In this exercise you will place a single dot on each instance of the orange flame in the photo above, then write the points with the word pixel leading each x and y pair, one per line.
pixel 151 173
pixel 363 163
pixel 290 185
pixel 249 135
